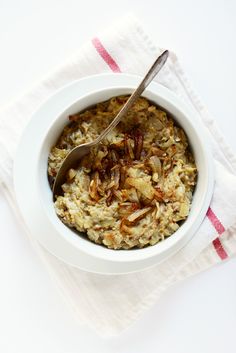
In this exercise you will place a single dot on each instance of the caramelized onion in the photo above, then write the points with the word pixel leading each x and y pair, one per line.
pixel 138 144
pixel 155 164
pixel 159 195
pixel 128 147
pixel 109 197
pixel 115 176
pixel 137 215
pixel 143 186
pixel 93 190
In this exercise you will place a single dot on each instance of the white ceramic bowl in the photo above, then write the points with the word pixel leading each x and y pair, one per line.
pixel 35 197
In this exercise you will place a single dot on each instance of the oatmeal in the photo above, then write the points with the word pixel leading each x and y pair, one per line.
pixel 135 188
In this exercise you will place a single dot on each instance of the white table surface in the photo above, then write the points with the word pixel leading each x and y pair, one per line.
pixel 198 315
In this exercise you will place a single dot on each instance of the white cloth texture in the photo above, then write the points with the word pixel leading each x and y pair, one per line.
pixel 110 304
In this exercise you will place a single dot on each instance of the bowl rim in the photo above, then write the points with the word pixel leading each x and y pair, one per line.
pixel 118 256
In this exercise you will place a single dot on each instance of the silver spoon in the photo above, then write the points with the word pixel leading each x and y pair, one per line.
pixel 80 151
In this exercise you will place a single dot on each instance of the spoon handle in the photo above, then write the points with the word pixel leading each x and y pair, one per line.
pixel 156 67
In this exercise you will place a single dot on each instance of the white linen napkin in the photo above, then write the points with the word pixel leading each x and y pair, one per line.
pixel 109 304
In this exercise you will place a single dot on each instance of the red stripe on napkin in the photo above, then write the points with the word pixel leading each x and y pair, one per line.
pixel 219 249
pixel 105 55
pixel 220 230
pixel 215 221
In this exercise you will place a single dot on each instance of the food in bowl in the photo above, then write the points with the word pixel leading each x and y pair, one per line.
pixel 133 190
